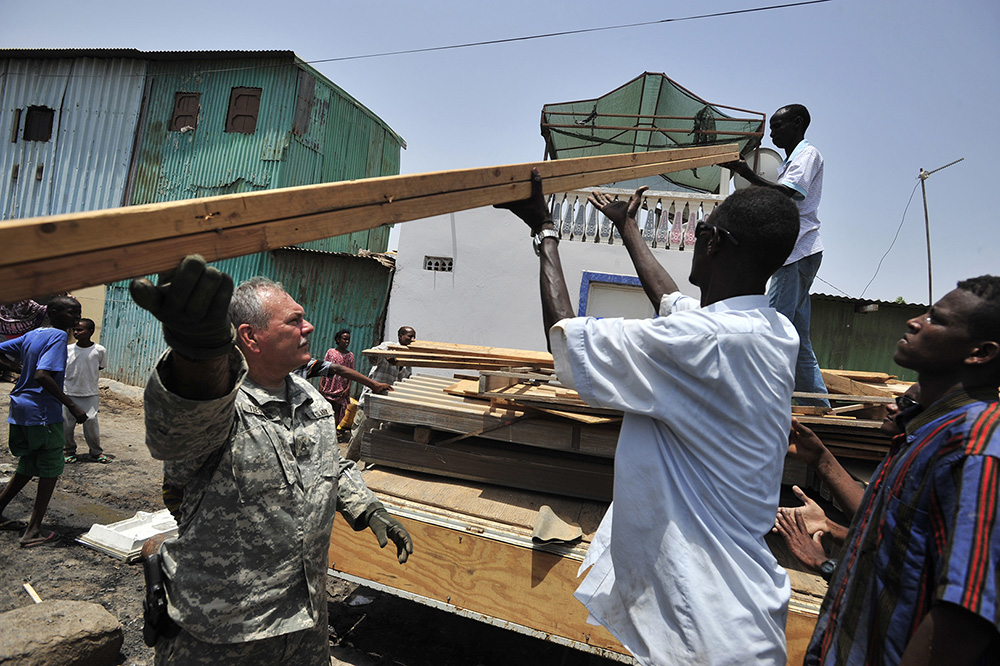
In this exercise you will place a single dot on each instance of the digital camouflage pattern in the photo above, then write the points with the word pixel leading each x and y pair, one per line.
pixel 261 480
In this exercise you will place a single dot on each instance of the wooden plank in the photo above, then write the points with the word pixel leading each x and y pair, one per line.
pixel 844 385
pixel 881 399
pixel 469 502
pixel 56 235
pixel 477 460
pixel 418 360
pixel 598 440
pixel 525 355
pixel 810 410
pixel 839 421
pixel 579 416
pixel 863 375
pixel 65 252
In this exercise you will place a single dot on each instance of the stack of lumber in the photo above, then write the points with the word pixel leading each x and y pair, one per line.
pixel 427 427
pixel 424 354
pixel 514 424
pixel 851 427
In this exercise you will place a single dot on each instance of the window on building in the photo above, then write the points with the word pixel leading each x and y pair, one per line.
pixel 185 116
pixel 304 103
pixel 442 264
pixel 244 104
pixel 38 123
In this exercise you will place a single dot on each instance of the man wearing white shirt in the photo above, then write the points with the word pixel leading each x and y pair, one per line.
pixel 682 574
pixel 800 178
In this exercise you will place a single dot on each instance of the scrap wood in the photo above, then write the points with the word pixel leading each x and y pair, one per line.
pixel 592 419
pixel 812 410
pixel 525 356
pixel 451 413
pixel 31 593
pixel 842 421
pixel 836 383
pixel 429 354
pixel 863 375
pixel 45 255
pixel 839 397
pixel 481 460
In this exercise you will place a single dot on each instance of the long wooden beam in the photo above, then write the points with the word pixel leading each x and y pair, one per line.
pixel 62 252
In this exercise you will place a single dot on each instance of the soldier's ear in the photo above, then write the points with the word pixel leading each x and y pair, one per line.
pixel 246 337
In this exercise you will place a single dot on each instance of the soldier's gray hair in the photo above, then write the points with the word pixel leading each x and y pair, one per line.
pixel 246 306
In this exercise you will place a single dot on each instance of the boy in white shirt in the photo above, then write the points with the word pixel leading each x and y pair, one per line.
pixel 84 363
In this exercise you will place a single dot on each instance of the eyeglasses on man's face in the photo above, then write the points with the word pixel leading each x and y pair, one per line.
pixel 715 229
pixel 904 402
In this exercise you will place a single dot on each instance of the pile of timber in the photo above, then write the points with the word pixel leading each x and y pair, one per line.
pixel 850 428
pixel 513 424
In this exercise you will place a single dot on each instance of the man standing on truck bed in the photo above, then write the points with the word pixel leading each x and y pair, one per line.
pixel 682 574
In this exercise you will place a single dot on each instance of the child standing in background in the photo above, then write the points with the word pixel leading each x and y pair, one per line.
pixel 85 360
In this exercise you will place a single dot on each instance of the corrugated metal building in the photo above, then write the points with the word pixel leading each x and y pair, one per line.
pixel 100 128
pixel 852 334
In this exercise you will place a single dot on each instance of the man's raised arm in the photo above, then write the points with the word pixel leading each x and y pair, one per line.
pixel 655 279
pixel 193 305
pixel 552 283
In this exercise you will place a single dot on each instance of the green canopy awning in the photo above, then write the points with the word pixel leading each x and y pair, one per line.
pixel 650 112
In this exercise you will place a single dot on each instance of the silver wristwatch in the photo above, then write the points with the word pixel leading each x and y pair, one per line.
pixel 544 233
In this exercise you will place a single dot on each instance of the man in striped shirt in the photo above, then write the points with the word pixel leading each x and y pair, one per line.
pixel 919 578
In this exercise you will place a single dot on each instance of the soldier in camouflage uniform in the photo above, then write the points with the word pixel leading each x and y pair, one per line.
pixel 254 450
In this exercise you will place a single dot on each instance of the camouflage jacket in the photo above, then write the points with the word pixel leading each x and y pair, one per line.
pixel 261 479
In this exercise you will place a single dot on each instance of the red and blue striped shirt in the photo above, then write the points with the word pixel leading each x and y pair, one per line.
pixel 926 532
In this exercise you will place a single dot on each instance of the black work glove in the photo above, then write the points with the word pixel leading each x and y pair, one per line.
pixel 385 527
pixel 192 302
pixel 533 211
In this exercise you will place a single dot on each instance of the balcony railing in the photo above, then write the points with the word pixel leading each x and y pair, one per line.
pixel 667 219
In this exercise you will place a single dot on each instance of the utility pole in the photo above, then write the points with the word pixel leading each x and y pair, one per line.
pixel 924 175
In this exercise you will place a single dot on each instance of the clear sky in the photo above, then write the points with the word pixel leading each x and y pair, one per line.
pixel 893 86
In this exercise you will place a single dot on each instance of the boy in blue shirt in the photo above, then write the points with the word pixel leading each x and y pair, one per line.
pixel 36 418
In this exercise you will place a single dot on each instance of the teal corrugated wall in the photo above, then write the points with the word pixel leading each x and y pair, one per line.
pixel 845 339
pixel 336 290
pixel 343 141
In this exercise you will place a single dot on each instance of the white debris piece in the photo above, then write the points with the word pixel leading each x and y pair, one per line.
pixel 124 539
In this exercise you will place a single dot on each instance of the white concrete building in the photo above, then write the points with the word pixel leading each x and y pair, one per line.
pixel 472 277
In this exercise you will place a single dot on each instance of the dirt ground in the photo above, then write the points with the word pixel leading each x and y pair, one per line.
pixel 367 628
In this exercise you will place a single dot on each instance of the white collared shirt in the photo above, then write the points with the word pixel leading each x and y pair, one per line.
pixel 684 575
pixel 803 172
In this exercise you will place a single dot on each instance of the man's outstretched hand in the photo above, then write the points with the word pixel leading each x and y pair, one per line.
pixel 619 212
pixel 387 528
pixel 533 210
pixel 807 549
pixel 192 302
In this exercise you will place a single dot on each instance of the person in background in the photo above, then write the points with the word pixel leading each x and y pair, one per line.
pixel 383 370
pixel 800 177
pixel 36 415
pixel 85 360
pixel 337 389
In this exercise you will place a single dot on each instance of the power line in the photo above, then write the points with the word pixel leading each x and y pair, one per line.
pixel 833 286
pixel 490 42
pixel 570 32
pixel 893 240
